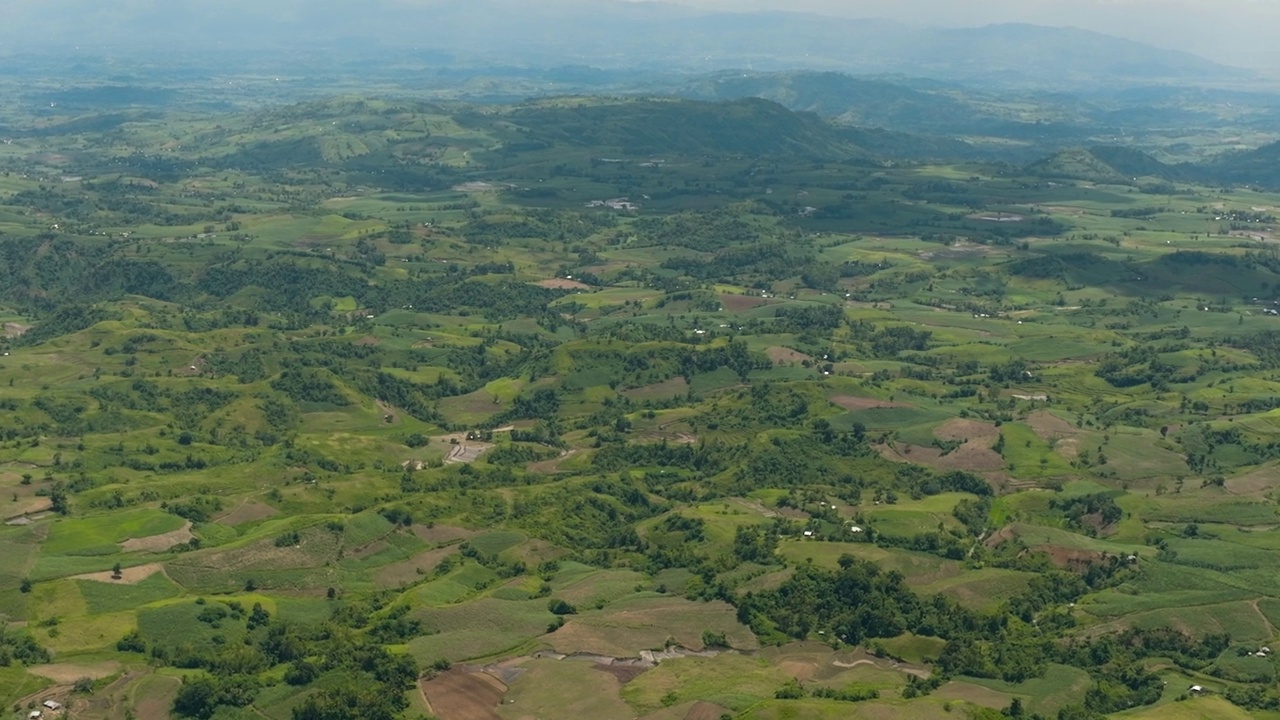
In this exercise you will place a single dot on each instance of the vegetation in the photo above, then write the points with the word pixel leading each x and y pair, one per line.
pixel 312 410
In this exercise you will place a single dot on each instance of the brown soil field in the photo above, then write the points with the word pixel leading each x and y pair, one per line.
pixel 128 576
pixel 246 512
pixel 459 695
pixel 440 534
pixel 738 303
pixel 159 543
pixel 368 341
pixel 975 455
pixel 624 673
pixel 552 466
pixel 562 284
pixel 849 402
pixel 67 673
pixel 13 330
pixel 406 571
pixel 783 356
pixel 1070 558
pixel 1053 429
pixel 674 387
pixel 971 430
pixel 1259 481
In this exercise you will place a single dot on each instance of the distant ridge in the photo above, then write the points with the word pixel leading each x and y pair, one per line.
pixel 607 34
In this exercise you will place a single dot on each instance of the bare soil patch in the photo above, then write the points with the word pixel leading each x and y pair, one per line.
pixel 407 571
pixel 784 356
pixel 552 466
pixel 441 534
pixel 624 673
pixel 67 673
pixel 247 512
pixel 562 284
pixel 1257 482
pixel 368 341
pixel 459 695
pixel 159 543
pixel 1071 558
pixel 968 430
pixel 849 402
pixel 466 451
pixel 799 669
pixel 738 303
pixel 1050 427
pixel 673 387
pixel 128 576
pixel 13 330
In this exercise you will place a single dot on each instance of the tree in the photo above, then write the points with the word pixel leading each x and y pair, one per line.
pixel 560 607
pixel 117 572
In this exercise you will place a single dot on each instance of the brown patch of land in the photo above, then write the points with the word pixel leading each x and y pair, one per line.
pixel 673 387
pixel 466 451
pixel 973 455
pixel 67 673
pixel 368 341
pixel 442 534
pixel 1060 434
pixel 159 543
pixel 783 356
pixel 460 695
pixel 246 512
pixel 738 303
pixel 624 673
pixel 1259 481
pixel 13 330
pixel 562 284
pixel 411 570
pixel 552 466
pixel 849 402
pixel 128 576
pixel 798 669
pixel 1071 558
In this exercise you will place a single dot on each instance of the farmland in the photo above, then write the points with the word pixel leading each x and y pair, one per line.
pixel 364 402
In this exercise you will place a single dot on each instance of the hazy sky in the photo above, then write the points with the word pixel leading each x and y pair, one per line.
pixel 1240 32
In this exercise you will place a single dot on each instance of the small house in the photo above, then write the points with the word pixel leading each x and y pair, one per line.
pixel 855 529
pixel 53 705
pixel 33 715
pixel 808 533
pixel 1196 689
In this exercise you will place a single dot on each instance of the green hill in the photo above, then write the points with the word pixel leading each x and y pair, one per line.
pixel 656 127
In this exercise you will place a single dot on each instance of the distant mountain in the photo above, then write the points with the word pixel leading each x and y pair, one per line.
pixel 1260 167
pixel 602 33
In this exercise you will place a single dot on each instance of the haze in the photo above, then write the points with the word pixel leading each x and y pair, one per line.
pixel 1235 32
pixel 1227 31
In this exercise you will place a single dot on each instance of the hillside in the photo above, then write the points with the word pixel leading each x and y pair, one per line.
pixel 651 408
pixel 656 127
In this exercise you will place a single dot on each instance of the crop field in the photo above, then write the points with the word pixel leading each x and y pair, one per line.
pixel 395 405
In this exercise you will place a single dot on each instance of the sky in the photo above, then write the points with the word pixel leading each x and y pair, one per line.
pixel 1236 32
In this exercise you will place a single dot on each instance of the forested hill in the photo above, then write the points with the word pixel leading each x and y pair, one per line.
pixel 638 127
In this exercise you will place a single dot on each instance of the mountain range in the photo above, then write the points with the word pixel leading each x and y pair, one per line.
pixel 601 34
